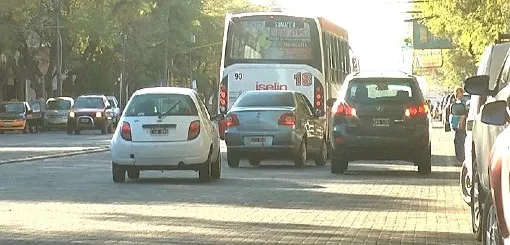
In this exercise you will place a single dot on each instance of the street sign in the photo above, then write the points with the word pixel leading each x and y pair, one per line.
pixel 427 58
pixel 423 39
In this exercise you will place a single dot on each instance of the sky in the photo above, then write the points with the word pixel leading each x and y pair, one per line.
pixel 376 27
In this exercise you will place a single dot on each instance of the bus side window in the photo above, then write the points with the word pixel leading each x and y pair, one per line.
pixel 326 57
pixel 345 56
pixel 337 59
pixel 341 75
pixel 331 53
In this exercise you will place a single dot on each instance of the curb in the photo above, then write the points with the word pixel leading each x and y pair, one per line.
pixel 56 155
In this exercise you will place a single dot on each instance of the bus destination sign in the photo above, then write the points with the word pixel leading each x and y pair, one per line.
pixel 284 24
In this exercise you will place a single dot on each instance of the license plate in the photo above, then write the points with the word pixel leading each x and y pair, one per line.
pixel 159 131
pixel 84 120
pixel 381 122
pixel 258 140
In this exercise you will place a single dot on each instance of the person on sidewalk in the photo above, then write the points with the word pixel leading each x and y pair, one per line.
pixel 457 120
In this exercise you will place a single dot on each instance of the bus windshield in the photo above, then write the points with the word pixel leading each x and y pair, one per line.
pixel 273 39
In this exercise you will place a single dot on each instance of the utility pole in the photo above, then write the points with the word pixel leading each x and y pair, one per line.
pixel 124 38
pixel 192 41
pixel 166 63
pixel 59 52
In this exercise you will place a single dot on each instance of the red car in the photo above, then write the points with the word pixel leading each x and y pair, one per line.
pixel 496 211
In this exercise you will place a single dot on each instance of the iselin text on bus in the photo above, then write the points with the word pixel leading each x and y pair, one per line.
pixel 270 86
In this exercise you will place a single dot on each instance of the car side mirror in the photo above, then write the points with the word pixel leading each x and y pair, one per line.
pixel 330 102
pixel 477 85
pixel 495 113
pixel 108 107
pixel 30 112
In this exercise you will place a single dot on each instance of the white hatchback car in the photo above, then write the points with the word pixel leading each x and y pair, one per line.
pixel 165 128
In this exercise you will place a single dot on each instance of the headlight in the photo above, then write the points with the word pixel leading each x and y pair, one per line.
pixel 71 114
pixel 99 114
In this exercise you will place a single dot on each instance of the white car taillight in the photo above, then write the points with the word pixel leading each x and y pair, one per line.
pixel 125 131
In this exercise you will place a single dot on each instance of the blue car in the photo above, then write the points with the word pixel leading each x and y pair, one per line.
pixel 275 125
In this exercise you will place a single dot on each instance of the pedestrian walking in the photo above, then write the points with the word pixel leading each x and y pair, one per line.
pixel 458 116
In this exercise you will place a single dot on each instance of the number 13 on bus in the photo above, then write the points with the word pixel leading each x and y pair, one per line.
pixel 279 51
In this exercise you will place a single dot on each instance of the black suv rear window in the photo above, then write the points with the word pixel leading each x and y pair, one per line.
pixel 256 99
pixel 161 105
pixel 381 90
pixel 89 103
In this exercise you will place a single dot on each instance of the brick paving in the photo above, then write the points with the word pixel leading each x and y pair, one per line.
pixel 73 200
pixel 15 146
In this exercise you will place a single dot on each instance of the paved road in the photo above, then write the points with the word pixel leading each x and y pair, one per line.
pixel 73 200
pixel 17 146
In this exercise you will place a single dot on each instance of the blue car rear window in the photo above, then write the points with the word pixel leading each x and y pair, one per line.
pixel 265 99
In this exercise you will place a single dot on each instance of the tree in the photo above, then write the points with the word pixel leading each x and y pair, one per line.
pixel 92 32
pixel 471 25
pixel 209 29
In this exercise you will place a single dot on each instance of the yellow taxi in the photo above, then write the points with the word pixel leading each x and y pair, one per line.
pixel 15 116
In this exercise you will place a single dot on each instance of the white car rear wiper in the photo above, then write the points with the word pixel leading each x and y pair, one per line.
pixel 161 116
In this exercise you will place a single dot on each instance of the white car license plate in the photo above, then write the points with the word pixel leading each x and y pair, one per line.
pixel 84 120
pixel 159 131
pixel 381 122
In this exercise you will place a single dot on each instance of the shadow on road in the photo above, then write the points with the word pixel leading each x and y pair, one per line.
pixel 206 231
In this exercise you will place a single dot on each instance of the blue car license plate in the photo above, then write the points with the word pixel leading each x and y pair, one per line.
pixel 258 140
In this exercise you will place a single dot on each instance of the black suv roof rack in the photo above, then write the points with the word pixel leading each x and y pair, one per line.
pixel 502 38
pixel 382 72
pixel 92 95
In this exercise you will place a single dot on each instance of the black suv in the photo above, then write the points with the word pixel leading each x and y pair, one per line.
pixel 380 116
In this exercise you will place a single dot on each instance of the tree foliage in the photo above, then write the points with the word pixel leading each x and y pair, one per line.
pixel 471 25
pixel 92 35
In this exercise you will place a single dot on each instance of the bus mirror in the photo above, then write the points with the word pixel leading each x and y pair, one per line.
pixel 330 102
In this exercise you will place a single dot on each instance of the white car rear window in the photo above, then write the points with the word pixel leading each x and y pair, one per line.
pixel 161 105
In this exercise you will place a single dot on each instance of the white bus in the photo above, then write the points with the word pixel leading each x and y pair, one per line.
pixel 281 51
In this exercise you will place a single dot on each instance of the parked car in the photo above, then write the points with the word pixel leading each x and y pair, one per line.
pixel 490 64
pixel 380 116
pixel 165 128
pixel 274 125
pixel 36 116
pixel 483 138
pixel 17 116
pixel 495 215
pixel 115 109
pixel 90 112
pixel 57 113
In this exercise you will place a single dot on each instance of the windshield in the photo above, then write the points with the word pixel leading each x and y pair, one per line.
pixel 371 91
pixel 59 105
pixel 12 108
pixel 112 103
pixel 265 99
pixel 161 105
pixel 89 103
pixel 273 38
